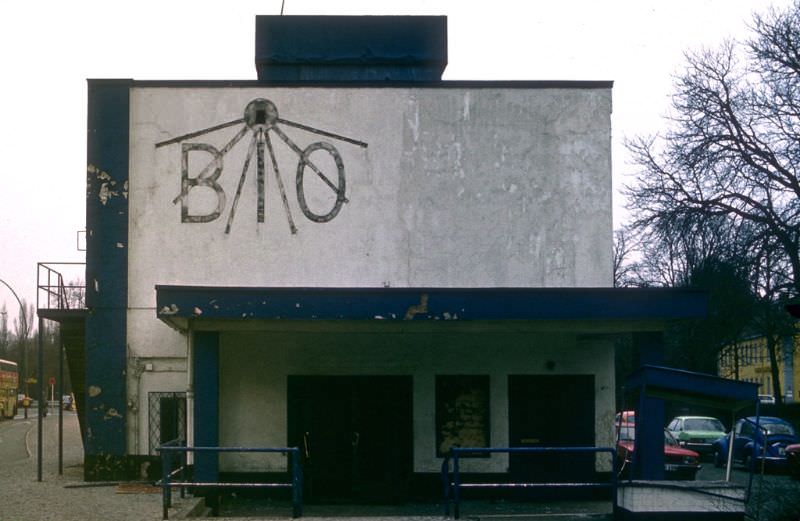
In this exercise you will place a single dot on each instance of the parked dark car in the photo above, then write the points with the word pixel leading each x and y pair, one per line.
pixel 756 446
pixel 793 459
pixel 679 463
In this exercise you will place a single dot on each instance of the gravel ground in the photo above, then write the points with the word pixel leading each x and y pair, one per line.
pixel 63 498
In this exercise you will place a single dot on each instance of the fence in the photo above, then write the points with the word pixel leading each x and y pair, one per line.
pixel 169 471
pixel 452 481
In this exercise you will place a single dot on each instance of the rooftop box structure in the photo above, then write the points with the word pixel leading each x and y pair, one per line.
pixel 351 48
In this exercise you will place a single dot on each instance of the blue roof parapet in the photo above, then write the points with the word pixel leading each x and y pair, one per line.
pixel 602 305
pixel 351 48
pixel 690 387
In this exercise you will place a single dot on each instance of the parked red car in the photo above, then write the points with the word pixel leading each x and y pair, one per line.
pixel 793 458
pixel 625 417
pixel 679 463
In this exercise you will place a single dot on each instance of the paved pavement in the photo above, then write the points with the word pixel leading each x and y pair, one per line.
pixel 62 498
pixel 68 497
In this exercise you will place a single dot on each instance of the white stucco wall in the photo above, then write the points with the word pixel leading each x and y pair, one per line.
pixel 458 187
pixel 254 369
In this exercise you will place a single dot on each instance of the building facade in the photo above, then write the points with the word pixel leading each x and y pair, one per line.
pixel 353 257
pixel 749 361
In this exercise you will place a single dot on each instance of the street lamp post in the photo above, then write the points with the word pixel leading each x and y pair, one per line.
pixel 41 369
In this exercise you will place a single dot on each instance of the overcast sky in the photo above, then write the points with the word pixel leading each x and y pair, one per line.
pixel 50 48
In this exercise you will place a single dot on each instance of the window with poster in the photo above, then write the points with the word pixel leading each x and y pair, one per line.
pixel 462 413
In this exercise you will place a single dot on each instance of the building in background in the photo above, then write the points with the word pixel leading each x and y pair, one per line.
pixel 748 360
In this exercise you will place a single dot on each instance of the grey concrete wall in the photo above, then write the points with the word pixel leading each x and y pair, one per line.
pixel 254 368
pixel 456 188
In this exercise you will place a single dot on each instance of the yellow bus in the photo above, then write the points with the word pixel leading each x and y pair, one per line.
pixel 9 385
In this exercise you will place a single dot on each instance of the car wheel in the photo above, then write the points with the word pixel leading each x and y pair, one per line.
pixel 719 459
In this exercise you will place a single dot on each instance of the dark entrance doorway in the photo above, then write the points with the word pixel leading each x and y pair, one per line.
pixel 551 411
pixel 356 435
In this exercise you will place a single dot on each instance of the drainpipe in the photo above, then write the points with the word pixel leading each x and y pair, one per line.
pixel 135 369
pixel 190 393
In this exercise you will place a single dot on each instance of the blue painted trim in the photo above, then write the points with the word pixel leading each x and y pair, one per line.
pixel 686 385
pixel 106 266
pixel 649 454
pixel 649 443
pixel 206 403
pixel 396 304
pixel 347 48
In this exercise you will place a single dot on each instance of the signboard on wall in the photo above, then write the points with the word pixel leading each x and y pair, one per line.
pixel 264 126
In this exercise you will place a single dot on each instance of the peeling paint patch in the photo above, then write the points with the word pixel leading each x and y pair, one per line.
pixel 168 310
pixel 97 172
pixel 417 309
pixel 120 245
pixel 103 195
pixel 108 187
pixel 106 192
pixel 197 311
pixel 94 391
pixel 112 413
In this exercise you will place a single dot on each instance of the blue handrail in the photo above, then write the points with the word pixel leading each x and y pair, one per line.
pixel 452 482
pixel 170 449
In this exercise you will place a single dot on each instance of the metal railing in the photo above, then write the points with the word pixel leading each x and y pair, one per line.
pixel 169 471
pixel 452 484
pixel 52 290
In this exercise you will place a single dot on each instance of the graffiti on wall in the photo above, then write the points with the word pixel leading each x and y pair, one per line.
pixel 260 120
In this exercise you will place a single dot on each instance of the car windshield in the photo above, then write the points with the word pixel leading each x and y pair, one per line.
pixel 778 428
pixel 626 417
pixel 627 433
pixel 703 424
pixel 669 440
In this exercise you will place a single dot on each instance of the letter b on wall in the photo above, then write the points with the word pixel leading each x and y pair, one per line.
pixel 202 200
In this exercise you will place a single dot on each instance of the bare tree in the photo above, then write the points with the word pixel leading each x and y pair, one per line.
pixel 668 252
pixel 5 334
pixel 722 183
pixel 733 146
pixel 23 326
pixel 624 266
